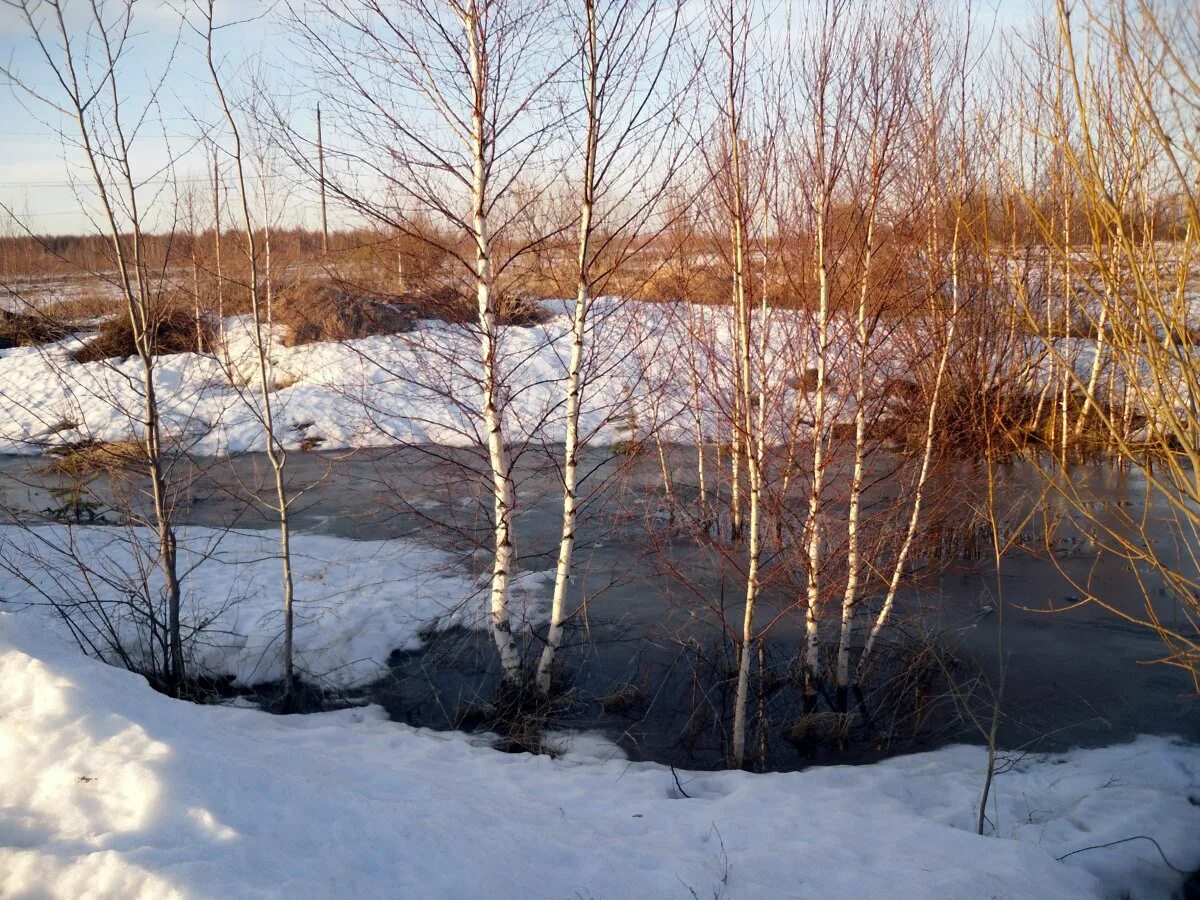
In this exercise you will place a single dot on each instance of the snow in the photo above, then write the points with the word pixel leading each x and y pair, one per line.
pixel 355 601
pixel 108 789
pixel 643 375
pixel 657 369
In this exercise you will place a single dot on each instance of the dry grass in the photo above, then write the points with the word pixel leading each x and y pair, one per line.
pixel 25 330
pixel 973 421
pixel 522 312
pixel 622 698
pixel 447 304
pixel 174 329
pixel 695 284
pixel 84 307
pixel 85 460
pixel 309 312
pixel 458 306
pixel 806 383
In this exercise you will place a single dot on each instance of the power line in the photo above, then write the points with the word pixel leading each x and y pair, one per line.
pixel 83 182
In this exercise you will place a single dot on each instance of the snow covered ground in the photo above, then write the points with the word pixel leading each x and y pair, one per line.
pixel 356 601
pixel 649 367
pixel 661 368
pixel 108 789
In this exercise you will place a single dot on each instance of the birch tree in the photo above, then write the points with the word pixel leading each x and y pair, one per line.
pixel 732 28
pixel 882 109
pixel 207 27
pixel 447 109
pixel 940 125
pixel 623 54
pixel 85 49
pixel 825 91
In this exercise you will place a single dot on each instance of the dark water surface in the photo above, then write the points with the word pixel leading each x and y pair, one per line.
pixel 649 662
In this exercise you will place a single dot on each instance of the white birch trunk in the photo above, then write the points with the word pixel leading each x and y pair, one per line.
pixel 276 455
pixel 746 430
pixel 745 435
pixel 813 524
pixel 1097 365
pixel 503 492
pixel 570 473
pixel 698 409
pixel 220 275
pixel 134 287
pixel 914 518
pixel 566 542
pixel 853 562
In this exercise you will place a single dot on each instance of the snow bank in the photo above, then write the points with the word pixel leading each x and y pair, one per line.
pixel 108 789
pixel 355 601
pixel 650 367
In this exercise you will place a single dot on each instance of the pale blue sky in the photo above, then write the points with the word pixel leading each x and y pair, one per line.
pixel 36 169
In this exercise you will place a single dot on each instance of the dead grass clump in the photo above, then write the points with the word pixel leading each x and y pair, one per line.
pixel 446 304
pixel 87 459
pixel 696 284
pixel 977 423
pixel 622 699
pixel 520 715
pixel 25 330
pixel 522 312
pixel 309 312
pixel 806 383
pixel 823 727
pixel 174 329
pixel 449 304
pixel 973 421
pixel 84 307
pixel 310 443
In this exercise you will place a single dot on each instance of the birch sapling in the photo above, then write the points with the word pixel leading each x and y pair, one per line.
pixel 743 430
pixel 932 138
pixel 881 103
pixel 452 104
pixel 276 454
pixel 503 491
pixel 93 97
pixel 620 82
pixel 579 315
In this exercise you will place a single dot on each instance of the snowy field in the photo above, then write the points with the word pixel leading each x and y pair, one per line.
pixel 647 370
pixel 650 368
pixel 110 789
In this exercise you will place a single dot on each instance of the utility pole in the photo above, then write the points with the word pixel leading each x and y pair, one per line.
pixel 321 175
pixel 216 186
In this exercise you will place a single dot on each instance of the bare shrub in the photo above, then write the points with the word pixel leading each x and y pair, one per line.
pixel 974 420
